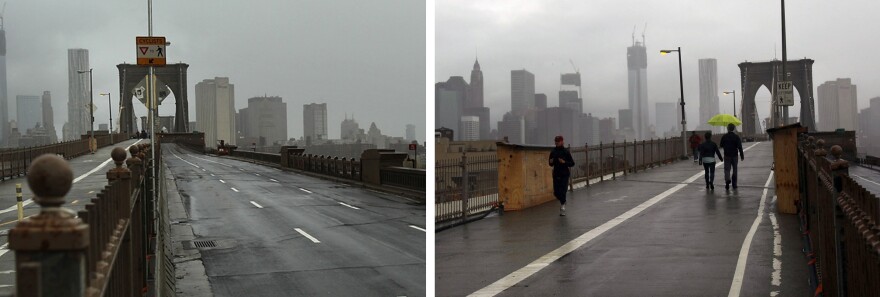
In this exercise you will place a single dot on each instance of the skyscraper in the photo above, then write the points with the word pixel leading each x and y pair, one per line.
pixel 513 127
pixel 668 119
pixel 475 90
pixel 315 122
pixel 265 120
pixel 350 130
pixel 215 110
pixel 708 93
pixel 470 128
pixel 78 113
pixel 570 92
pixel 410 132
pixel 637 64
pixel 49 117
pixel 4 106
pixel 522 92
pixel 837 105
pixel 29 113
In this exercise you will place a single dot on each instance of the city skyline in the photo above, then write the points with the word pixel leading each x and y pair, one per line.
pixel 592 36
pixel 372 64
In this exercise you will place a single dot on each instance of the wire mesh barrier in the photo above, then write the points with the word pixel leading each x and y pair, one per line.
pixel 468 186
pixel 102 250
pixel 840 222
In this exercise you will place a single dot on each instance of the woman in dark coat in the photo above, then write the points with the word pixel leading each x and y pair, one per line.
pixel 708 151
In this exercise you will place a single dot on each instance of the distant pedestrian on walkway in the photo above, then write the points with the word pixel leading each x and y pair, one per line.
pixel 708 150
pixel 695 143
pixel 732 145
pixel 561 161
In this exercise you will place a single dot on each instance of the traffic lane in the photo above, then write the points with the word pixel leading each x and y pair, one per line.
pixel 867 178
pixel 688 244
pixel 497 246
pixel 376 253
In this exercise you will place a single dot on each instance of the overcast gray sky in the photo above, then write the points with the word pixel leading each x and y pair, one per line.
pixel 541 36
pixel 365 58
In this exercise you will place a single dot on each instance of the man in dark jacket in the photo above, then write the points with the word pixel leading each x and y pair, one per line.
pixel 732 145
pixel 695 141
pixel 561 161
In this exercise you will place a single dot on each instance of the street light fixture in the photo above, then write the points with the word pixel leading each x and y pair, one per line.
pixel 734 100
pixel 110 110
pixel 681 88
pixel 91 109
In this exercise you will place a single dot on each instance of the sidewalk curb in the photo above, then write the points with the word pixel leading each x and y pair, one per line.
pixel 189 270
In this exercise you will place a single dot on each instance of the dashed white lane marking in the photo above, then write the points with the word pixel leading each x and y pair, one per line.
pixel 234 189
pixel 5 286
pixel 7 272
pixel 417 228
pixel 736 286
pixel 272 179
pixel 91 192
pixel 212 174
pixel 203 169
pixel 867 180
pixel 3 249
pixel 313 239
pixel 256 204
pixel 304 190
pixel 222 181
pixel 203 159
pixel 75 201
pixel 257 174
pixel 515 277
pixel 349 206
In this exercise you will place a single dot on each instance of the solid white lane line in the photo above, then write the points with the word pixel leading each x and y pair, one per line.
pixel 313 239
pixel 7 272
pixel 868 180
pixel 234 189
pixel 417 228
pixel 272 179
pixel 736 286
pixel 187 162
pixel 256 204
pixel 517 276
pixel 349 206
pixel 81 177
pixel 776 276
pixel 203 159
pixel 222 181
pixel 304 190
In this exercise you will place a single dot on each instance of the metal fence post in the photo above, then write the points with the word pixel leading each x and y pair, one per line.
pixel 52 244
pixel 587 162
pixel 464 187
pixel 601 167
pixel 839 168
pixel 613 160
pixel 625 161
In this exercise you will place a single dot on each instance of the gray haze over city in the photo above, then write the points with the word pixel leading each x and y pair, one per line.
pixel 363 59
pixel 543 36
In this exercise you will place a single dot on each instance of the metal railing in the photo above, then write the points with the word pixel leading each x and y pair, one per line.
pixel 99 251
pixel 14 162
pixel 455 201
pixel 840 222
pixel 326 165
pixel 403 177
pixel 273 158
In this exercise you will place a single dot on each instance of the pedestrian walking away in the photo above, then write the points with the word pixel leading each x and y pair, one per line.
pixel 732 146
pixel 695 143
pixel 708 150
pixel 561 161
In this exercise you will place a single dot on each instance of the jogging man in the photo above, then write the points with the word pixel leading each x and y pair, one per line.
pixel 561 161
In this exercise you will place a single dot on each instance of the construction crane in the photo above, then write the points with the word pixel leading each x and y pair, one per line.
pixel 576 70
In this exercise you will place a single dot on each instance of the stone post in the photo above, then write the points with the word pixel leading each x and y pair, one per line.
pixel 50 247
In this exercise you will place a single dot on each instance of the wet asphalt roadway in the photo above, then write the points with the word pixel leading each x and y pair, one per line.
pixel 89 172
pixel 687 244
pixel 284 234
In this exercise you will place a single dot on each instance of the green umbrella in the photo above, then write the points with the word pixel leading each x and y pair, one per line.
pixel 724 119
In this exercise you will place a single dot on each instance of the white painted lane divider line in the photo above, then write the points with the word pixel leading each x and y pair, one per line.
pixel 7 272
pixel 349 206
pixel 313 239
pixel 212 174
pixel 256 204
pixel 187 162
pixel 257 174
pixel 3 249
pixel 304 190
pixel 203 159
pixel 234 189
pixel 776 276
pixel 274 180
pixel 867 180
pixel 222 181
pixel 417 228
pixel 517 276
pixel 736 286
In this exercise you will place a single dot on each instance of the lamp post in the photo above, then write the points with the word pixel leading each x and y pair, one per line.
pixel 734 100
pixel 110 110
pixel 681 88
pixel 91 110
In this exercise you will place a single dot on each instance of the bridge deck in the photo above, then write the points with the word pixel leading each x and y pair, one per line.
pixel 687 243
